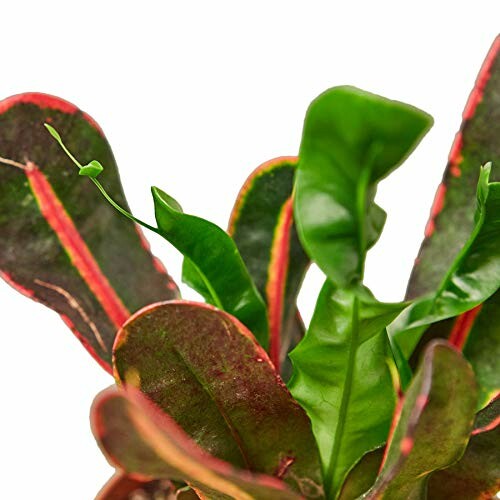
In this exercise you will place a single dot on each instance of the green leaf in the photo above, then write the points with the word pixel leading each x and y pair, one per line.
pixel 477 475
pixel 140 440
pixel 217 260
pixel 93 169
pixel 351 140
pixel 53 132
pixel 342 378
pixel 452 221
pixel 205 369
pixel 60 243
pixel 473 277
pixel 262 227
pixel 433 427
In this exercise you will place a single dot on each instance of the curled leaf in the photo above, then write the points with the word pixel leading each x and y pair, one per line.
pixel 351 140
pixel 433 428
pixel 93 169
pixel 139 439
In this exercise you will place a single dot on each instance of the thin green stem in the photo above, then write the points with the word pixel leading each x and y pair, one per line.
pixel 53 132
pixel 121 209
pixel 71 157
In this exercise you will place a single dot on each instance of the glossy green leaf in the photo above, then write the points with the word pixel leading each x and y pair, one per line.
pixel 205 369
pixel 477 475
pixel 262 227
pixel 452 221
pixel 60 243
pixel 141 440
pixel 217 261
pixel 434 425
pixel 473 277
pixel 342 378
pixel 351 140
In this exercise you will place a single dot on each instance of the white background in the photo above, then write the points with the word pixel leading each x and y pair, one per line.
pixel 192 97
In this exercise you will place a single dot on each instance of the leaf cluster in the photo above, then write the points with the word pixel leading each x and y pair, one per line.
pixel 236 397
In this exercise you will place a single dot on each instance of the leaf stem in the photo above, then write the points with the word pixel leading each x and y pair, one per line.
pixel 346 394
pixel 361 216
pixel 53 132
pixel 121 209
pixel 361 208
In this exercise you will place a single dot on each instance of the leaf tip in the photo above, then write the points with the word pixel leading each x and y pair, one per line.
pixel 53 132
pixel 165 199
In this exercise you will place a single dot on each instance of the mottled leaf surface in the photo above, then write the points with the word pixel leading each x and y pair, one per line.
pixel 60 243
pixel 477 475
pixel 206 370
pixel 124 487
pixel 434 425
pixel 452 219
pixel 215 261
pixel 452 216
pixel 481 347
pixel 342 379
pixel 139 439
pixel 351 140
pixel 262 227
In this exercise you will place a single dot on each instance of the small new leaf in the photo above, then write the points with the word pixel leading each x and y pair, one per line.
pixel 53 132
pixel 93 169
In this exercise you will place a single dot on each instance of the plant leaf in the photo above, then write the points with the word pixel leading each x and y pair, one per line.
pixel 452 216
pixel 477 474
pixel 141 440
pixel 61 244
pixel 433 427
pixel 342 378
pixel 451 222
pixel 473 277
pixel 362 476
pixel 93 169
pixel 217 260
pixel 351 140
pixel 481 347
pixel 122 486
pixel 205 370
pixel 262 227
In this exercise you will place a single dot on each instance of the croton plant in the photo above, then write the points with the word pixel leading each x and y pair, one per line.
pixel 235 397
